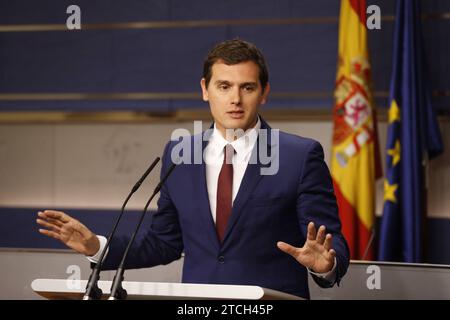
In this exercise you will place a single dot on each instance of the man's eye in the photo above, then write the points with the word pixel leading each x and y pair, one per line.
pixel 223 87
pixel 249 88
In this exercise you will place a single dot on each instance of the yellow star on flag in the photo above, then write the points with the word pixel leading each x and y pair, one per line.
pixel 395 153
pixel 389 191
pixel 394 112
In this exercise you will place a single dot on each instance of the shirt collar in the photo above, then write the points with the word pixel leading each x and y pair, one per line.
pixel 243 145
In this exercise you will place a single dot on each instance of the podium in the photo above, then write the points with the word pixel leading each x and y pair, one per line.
pixel 68 289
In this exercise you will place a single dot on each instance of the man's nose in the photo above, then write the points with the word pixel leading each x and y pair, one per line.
pixel 236 96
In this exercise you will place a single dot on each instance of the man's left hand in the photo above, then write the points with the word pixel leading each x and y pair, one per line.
pixel 316 254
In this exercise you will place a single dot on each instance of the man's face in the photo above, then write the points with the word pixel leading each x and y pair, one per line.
pixel 234 94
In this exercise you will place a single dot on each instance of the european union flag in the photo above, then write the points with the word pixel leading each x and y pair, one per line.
pixel 413 137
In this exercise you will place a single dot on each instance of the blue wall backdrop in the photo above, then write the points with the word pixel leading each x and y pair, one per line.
pixel 113 65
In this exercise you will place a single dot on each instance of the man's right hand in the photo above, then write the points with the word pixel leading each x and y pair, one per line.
pixel 69 231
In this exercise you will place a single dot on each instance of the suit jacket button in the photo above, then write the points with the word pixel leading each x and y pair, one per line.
pixel 221 259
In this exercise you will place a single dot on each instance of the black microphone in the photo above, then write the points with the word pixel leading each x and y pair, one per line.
pixel 117 291
pixel 92 289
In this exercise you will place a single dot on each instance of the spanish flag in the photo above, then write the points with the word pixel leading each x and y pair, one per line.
pixel 355 162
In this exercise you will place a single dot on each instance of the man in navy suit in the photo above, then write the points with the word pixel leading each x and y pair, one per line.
pixel 239 218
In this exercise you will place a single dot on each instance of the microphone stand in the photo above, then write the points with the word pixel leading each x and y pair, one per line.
pixel 93 292
pixel 117 291
pixel 369 243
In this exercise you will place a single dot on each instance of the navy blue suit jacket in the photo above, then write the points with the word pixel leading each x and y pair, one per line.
pixel 267 209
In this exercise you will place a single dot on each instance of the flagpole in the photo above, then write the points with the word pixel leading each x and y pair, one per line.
pixel 426 185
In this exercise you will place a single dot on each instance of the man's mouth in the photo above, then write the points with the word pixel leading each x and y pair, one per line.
pixel 236 114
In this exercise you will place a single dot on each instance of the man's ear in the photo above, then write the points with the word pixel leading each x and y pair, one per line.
pixel 265 93
pixel 204 90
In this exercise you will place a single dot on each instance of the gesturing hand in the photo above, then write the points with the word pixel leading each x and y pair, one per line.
pixel 316 254
pixel 69 231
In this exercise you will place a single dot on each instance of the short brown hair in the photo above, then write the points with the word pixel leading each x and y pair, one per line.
pixel 233 52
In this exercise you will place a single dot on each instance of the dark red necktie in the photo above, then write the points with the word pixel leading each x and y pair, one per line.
pixel 224 192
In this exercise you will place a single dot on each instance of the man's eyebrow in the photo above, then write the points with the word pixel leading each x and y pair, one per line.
pixel 253 84
pixel 244 84
pixel 222 82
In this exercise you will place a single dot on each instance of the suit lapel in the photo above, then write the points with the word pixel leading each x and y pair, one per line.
pixel 201 193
